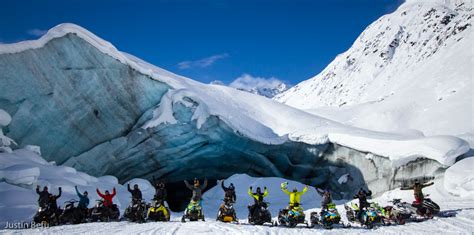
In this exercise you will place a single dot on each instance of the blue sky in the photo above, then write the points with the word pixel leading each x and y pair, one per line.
pixel 290 40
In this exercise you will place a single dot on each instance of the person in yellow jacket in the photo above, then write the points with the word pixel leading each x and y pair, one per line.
pixel 295 196
pixel 257 197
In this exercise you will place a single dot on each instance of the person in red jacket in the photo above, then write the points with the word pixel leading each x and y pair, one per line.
pixel 107 197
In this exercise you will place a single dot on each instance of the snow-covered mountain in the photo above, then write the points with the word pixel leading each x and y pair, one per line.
pixel 268 92
pixel 105 112
pixel 268 87
pixel 411 69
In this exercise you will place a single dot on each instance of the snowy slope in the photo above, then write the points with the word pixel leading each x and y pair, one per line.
pixel 411 69
pixel 256 117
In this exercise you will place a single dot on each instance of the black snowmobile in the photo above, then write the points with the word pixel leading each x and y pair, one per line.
pixel 72 214
pixel 136 211
pixel 46 216
pixel 103 213
pixel 428 208
pixel 261 215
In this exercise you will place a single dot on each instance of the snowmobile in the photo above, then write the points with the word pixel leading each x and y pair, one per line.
pixel 72 214
pixel 158 211
pixel 327 218
pixel 193 212
pixel 399 213
pixel 428 207
pixel 369 217
pixel 261 214
pixel 46 216
pixel 104 214
pixel 136 211
pixel 292 217
pixel 227 213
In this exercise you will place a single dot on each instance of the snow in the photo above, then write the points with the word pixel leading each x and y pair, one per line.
pixel 5 142
pixel 343 179
pixel 5 118
pixel 459 180
pixel 409 70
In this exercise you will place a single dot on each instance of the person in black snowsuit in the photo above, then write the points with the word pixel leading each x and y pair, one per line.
pixel 258 197
pixel 136 193
pixel 326 198
pixel 363 203
pixel 160 191
pixel 43 198
pixel 229 192
pixel 53 205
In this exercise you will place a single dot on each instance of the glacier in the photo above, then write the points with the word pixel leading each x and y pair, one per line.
pixel 105 112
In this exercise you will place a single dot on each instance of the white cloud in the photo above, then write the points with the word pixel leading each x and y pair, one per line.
pixel 202 63
pixel 217 82
pixel 37 32
pixel 248 82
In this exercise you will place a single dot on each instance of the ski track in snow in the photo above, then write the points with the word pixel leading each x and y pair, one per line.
pixel 462 223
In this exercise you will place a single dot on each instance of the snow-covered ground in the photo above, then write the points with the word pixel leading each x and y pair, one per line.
pixel 462 223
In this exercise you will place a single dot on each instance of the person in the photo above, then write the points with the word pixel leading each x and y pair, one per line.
pixel 197 189
pixel 417 188
pixel 258 197
pixel 53 205
pixel 136 193
pixel 295 196
pixel 160 191
pixel 83 199
pixel 43 198
pixel 229 192
pixel 108 202
pixel 363 203
pixel 362 196
pixel 326 198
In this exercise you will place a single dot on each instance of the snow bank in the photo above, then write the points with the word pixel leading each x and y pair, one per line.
pixel 276 198
pixel 22 169
pixel 459 180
